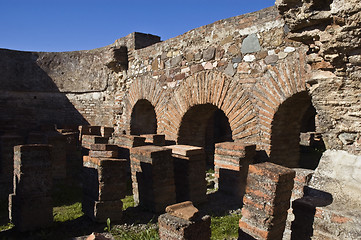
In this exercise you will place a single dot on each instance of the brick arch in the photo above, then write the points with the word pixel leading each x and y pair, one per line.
pixel 145 89
pixel 217 89
pixel 279 83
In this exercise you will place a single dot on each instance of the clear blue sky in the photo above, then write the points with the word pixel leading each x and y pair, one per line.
pixel 67 25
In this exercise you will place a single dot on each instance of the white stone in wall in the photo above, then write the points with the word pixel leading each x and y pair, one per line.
pixel 289 49
pixel 249 58
pixel 261 28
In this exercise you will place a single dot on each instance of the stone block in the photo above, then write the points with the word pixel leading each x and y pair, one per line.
pixel 100 211
pixel 171 227
pixel 250 44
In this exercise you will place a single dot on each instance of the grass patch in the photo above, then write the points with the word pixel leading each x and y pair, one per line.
pixel 149 233
pixel 225 227
pixel 67 213
pixel 6 227
pixel 128 201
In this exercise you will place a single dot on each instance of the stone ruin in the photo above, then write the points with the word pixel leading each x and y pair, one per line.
pixel 257 97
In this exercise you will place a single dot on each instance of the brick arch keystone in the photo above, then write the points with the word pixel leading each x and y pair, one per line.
pixel 218 89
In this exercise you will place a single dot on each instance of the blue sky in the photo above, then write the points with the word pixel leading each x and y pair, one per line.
pixel 68 25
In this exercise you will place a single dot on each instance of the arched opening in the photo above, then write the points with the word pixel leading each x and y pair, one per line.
pixel 203 126
pixel 293 126
pixel 143 118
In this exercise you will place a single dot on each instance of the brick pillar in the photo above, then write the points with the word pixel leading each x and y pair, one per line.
pixel 189 173
pixel 155 139
pixel 74 160
pixel 266 201
pixel 58 154
pixel 30 206
pixel 231 162
pixel 126 142
pixel 183 221
pixel 7 143
pixel 152 177
pixel 103 188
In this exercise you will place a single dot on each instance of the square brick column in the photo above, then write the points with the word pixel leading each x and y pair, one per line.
pixel 152 177
pixel 155 139
pixel 231 162
pixel 74 162
pixel 103 188
pixel 183 221
pixel 58 154
pixel 189 173
pixel 7 143
pixel 266 201
pixel 30 205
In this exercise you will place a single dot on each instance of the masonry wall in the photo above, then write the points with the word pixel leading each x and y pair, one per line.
pixel 245 66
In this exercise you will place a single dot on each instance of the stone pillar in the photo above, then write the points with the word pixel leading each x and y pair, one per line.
pixel 155 139
pixel 189 173
pixel 103 188
pixel 7 143
pixel 30 205
pixel 182 221
pixel 266 201
pixel 152 177
pixel 231 162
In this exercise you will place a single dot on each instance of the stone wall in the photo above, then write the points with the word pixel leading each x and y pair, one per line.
pixel 248 67
pixel 331 30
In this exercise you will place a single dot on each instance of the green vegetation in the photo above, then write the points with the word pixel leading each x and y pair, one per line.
pixel 225 227
pixel 149 233
pixel 67 213
pixel 128 201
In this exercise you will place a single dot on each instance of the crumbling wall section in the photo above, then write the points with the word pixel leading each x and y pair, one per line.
pixel 332 31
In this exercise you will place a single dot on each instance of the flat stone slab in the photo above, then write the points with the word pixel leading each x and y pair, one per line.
pixel 184 210
pixel 185 150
